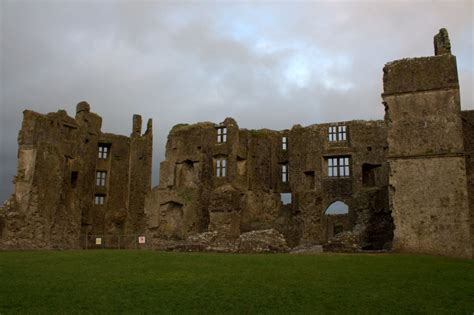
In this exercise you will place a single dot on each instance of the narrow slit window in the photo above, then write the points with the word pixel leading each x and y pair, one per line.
pixel 284 143
pixel 222 134
pixel 103 151
pixel 221 167
pixel 74 176
pixel 331 168
pixel 101 178
pixel 284 173
pixel 338 167
pixel 332 134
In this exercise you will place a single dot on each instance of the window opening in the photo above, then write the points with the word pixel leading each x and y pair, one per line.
pixel 101 177
pixel 74 177
pixel 285 198
pixel 99 199
pixel 222 134
pixel 337 133
pixel 221 167
pixel 284 143
pixel 103 151
pixel 284 173
pixel 338 166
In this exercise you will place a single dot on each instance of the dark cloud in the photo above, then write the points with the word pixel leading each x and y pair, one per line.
pixel 267 64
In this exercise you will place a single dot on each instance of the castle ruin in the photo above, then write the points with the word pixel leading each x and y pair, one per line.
pixel 74 182
pixel 404 182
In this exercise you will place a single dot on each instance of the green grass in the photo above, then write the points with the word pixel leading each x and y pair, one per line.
pixel 114 281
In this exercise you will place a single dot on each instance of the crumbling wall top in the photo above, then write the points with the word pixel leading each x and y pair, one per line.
pixel 230 122
pixel 83 107
pixel 425 73
pixel 442 45
pixel 149 127
pixel 137 125
pixel 420 74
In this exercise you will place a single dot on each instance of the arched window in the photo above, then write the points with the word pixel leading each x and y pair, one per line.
pixel 337 207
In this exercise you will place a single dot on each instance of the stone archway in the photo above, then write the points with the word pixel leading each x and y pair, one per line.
pixel 337 218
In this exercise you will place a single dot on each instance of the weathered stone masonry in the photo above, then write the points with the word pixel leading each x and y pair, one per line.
pixel 416 166
pixel 427 154
pixel 192 198
pixel 405 182
pixel 59 194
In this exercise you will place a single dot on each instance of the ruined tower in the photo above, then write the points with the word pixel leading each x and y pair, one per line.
pixel 429 193
pixel 75 182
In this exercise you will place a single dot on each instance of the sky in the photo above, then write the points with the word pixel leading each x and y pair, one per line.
pixel 266 64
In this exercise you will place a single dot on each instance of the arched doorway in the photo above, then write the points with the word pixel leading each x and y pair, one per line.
pixel 337 218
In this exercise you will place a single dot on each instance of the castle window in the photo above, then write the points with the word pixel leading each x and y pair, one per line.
pixel 332 134
pixel 103 151
pixel 284 173
pixel 341 132
pixel 369 174
pixel 74 176
pixel 285 198
pixel 284 143
pixel 337 133
pixel 100 178
pixel 222 134
pixel 338 166
pixel 221 165
pixel 99 199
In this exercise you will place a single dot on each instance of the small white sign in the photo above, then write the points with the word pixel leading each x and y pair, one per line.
pixel 141 240
pixel 98 241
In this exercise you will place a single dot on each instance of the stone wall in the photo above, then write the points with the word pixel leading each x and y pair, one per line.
pixel 192 199
pixel 55 187
pixel 468 132
pixel 429 196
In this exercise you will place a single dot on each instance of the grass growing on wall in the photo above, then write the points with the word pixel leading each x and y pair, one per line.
pixel 122 281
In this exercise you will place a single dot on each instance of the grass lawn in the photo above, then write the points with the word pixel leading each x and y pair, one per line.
pixel 121 281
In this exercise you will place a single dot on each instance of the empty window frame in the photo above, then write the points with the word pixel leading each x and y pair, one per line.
pixel 99 199
pixel 284 143
pixel 100 178
pixel 103 151
pixel 222 135
pixel 369 174
pixel 74 177
pixel 285 173
pixel 221 167
pixel 337 133
pixel 338 166
pixel 285 198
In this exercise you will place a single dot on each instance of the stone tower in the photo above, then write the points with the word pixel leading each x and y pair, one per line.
pixel 428 195
pixel 75 183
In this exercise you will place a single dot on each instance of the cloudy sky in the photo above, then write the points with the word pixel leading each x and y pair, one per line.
pixel 267 64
